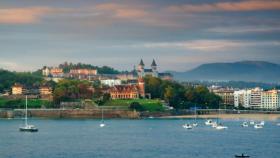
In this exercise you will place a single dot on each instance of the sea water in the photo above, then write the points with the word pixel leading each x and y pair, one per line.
pixel 147 138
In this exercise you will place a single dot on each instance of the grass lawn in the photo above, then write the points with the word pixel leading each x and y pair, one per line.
pixel 148 104
pixel 20 103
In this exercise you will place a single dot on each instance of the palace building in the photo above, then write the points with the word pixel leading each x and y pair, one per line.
pixel 128 91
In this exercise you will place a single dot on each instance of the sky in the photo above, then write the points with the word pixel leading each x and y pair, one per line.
pixel 178 34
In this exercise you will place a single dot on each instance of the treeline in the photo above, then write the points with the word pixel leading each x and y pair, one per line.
pixel 7 79
pixel 101 70
pixel 180 96
pixel 71 90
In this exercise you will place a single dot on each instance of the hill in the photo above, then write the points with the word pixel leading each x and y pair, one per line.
pixel 251 71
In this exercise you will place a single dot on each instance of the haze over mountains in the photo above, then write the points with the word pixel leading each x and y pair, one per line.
pixel 257 71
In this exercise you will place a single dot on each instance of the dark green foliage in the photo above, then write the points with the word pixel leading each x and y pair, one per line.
pixel 179 96
pixel 69 90
pixel 136 106
pixel 101 70
pixel 20 103
pixel 7 79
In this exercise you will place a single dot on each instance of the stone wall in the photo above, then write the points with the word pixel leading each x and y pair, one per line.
pixel 68 113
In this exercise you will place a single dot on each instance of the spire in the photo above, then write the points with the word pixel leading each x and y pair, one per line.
pixel 142 63
pixel 154 63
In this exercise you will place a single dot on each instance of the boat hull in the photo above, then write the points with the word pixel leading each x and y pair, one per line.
pixel 28 130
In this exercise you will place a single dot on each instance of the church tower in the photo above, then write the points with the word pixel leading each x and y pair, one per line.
pixel 154 68
pixel 141 86
pixel 141 67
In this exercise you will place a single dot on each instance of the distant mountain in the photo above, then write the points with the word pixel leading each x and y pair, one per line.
pixel 256 71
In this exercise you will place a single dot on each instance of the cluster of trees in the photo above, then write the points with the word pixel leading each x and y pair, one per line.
pixel 7 79
pixel 180 96
pixel 102 70
pixel 69 90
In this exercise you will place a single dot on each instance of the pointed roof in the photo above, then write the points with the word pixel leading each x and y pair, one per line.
pixel 141 63
pixel 154 63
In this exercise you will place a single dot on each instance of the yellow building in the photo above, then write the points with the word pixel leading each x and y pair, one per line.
pixel 45 90
pixel 270 99
pixel 17 89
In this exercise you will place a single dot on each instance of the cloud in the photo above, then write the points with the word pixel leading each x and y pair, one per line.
pixel 209 45
pixel 247 5
pixel 22 15
pixel 144 14
pixel 245 29
pixel 123 11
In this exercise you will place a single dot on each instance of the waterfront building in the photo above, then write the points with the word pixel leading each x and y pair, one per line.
pixel 242 98
pixel 128 91
pixel 255 98
pixel 17 89
pixel 270 99
pixel 227 96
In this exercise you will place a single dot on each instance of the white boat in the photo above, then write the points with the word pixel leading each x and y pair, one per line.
pixel 27 127
pixel 221 127
pixel 245 124
pixel 214 124
pixel 262 123
pixel 209 122
pixel 252 122
pixel 102 124
pixel 258 126
pixel 194 124
pixel 187 126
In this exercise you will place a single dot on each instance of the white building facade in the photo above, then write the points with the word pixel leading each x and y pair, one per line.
pixel 270 100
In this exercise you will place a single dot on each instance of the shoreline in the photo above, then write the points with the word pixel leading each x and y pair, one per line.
pixel 267 117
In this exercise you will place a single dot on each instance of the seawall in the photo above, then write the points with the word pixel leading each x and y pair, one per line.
pixel 70 113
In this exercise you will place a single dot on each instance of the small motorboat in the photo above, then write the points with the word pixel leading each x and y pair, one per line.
pixel 194 124
pixel 214 124
pixel 187 126
pixel 252 122
pixel 102 124
pixel 221 127
pixel 258 126
pixel 242 155
pixel 262 123
pixel 245 124
pixel 208 122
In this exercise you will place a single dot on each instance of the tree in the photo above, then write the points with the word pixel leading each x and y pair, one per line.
pixel 136 106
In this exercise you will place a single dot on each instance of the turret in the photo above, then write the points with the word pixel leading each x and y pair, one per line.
pixel 141 67
pixel 154 68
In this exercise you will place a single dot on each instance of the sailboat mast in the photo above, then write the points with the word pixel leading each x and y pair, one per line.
pixel 26 110
pixel 102 115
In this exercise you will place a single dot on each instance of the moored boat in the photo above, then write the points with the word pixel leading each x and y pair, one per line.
pixel 245 124
pixel 187 126
pixel 258 126
pixel 27 127
pixel 242 156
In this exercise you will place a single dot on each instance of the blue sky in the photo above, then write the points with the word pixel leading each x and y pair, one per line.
pixel 178 34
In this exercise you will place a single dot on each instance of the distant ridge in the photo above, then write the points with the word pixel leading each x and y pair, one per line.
pixel 256 71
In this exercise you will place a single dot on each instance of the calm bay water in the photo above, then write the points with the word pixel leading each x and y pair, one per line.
pixel 136 139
